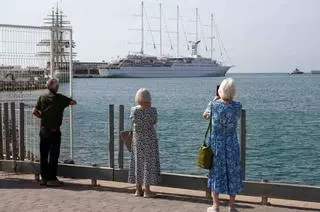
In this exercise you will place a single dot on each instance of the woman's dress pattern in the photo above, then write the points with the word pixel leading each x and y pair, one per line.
pixel 225 177
pixel 144 162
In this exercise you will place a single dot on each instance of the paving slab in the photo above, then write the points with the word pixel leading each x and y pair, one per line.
pixel 22 193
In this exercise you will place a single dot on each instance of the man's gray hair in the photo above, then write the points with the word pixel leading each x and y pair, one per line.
pixel 53 85
pixel 227 89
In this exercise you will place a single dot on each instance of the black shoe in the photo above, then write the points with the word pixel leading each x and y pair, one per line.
pixel 58 181
pixel 53 183
pixel 43 182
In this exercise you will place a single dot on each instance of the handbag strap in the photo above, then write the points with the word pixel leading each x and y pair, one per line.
pixel 209 128
pixel 131 128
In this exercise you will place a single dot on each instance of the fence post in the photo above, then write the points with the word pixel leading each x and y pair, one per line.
pixel 6 129
pixel 1 140
pixel 22 144
pixel 243 142
pixel 13 131
pixel 121 127
pixel 111 135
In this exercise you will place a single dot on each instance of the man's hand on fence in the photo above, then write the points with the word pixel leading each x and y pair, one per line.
pixel 36 112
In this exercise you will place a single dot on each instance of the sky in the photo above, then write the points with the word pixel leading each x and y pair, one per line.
pixel 259 35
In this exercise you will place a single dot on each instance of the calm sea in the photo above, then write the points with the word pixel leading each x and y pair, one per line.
pixel 283 122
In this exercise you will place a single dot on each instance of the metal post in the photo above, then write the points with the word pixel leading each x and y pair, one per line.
pixel 6 129
pixel 121 127
pixel 111 135
pixel 1 141
pixel 13 131
pixel 243 142
pixel 22 144
pixel 71 94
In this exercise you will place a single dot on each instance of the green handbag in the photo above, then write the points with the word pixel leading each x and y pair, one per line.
pixel 205 155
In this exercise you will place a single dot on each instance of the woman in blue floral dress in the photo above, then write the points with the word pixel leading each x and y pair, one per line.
pixel 225 176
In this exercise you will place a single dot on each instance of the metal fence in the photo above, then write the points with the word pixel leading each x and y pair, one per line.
pixel 29 56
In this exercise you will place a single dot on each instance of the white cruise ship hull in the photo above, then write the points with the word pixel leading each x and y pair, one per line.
pixel 165 72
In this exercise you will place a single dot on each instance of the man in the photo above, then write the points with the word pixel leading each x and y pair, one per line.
pixel 50 109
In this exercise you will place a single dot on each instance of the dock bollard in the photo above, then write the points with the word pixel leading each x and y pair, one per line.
pixel 37 177
pixel 94 181
pixel 264 199
pixel 208 193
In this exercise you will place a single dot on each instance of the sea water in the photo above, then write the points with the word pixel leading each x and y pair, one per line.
pixel 283 122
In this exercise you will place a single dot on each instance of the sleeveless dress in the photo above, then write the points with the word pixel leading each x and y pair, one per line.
pixel 144 161
pixel 225 177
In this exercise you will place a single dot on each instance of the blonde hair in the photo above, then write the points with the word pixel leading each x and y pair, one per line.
pixel 227 89
pixel 143 95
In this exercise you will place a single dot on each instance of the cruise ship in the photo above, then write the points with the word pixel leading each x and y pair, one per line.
pixel 140 65
pixel 146 66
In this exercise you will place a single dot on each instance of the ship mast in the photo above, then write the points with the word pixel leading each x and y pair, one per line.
pixel 211 37
pixel 197 20
pixel 177 30
pixel 160 29
pixel 142 29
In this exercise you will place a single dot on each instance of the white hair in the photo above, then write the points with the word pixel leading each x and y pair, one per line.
pixel 143 95
pixel 227 89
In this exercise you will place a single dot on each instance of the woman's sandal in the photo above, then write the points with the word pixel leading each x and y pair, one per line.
pixel 149 195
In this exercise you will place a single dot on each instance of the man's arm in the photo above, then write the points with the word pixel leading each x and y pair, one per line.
pixel 65 101
pixel 36 112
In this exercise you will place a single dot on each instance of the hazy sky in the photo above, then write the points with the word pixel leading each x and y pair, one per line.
pixel 259 35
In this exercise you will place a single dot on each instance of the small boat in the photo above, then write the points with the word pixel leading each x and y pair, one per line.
pixel 296 71
pixel 315 71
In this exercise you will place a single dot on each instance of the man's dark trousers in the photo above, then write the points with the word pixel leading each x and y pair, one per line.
pixel 50 141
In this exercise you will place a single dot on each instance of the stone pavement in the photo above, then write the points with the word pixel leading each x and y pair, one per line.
pixel 22 193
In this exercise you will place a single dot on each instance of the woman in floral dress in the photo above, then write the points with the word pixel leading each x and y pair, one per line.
pixel 225 176
pixel 144 163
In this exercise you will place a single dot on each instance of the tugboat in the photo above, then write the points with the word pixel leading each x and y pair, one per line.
pixel 296 71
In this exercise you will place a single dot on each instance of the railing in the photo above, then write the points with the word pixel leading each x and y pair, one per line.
pixel 17 162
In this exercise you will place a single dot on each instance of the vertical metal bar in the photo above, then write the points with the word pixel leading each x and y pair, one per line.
pixel 111 135
pixel 1 139
pixel 121 127
pixel 71 94
pixel 243 142
pixel 6 129
pixel 13 131
pixel 22 144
